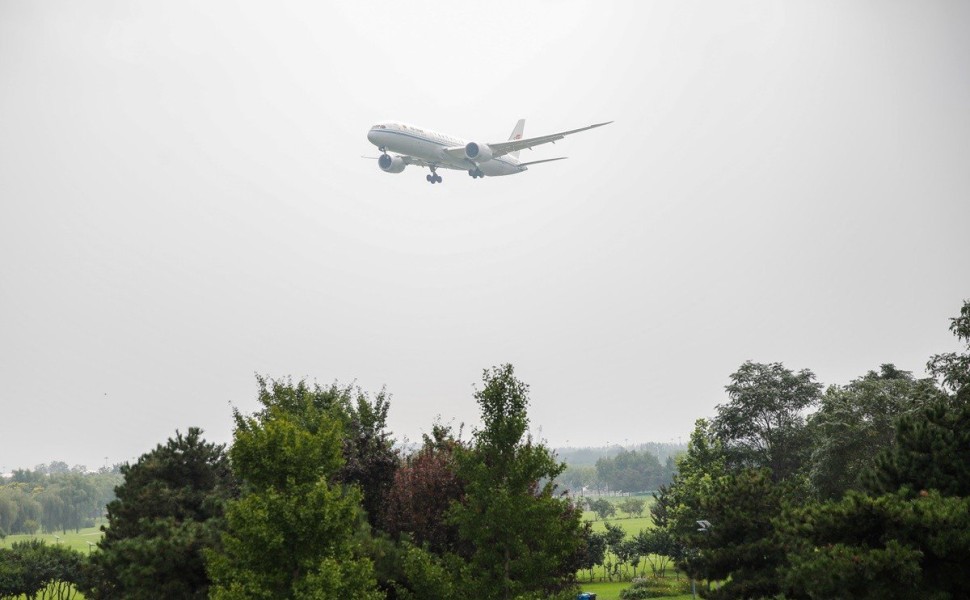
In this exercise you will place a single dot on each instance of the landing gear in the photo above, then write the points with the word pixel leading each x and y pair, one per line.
pixel 434 177
pixel 476 173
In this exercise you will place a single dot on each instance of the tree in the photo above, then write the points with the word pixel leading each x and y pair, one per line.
pixel 932 451
pixel 633 505
pixel 369 460
pixel 659 547
pixel 578 478
pixel 911 538
pixel 602 507
pixel 682 504
pixel 20 512
pixel 424 488
pixel 763 425
pixel 428 575
pixel 631 471
pixel 952 369
pixel 292 533
pixel 738 546
pixel 592 550
pixel 525 538
pixel 31 567
pixel 895 545
pixel 857 421
pixel 167 511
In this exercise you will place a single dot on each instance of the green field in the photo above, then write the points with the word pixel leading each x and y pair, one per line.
pixel 610 590
pixel 631 526
pixel 76 541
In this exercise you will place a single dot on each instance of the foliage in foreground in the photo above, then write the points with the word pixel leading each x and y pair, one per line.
pixel 31 567
pixel 525 539
pixel 292 532
pixel 759 502
pixel 167 511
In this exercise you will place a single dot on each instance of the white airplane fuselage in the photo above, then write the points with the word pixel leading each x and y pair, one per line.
pixel 429 146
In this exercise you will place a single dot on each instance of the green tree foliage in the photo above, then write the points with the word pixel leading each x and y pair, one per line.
pixel 68 502
pixel 65 499
pixel 592 549
pixel 932 448
pixel 951 368
pixel 293 532
pixel 429 575
pixel 632 471
pixel 857 421
pixel 932 451
pixel 682 504
pixel 763 424
pixel 526 540
pixel 891 546
pixel 602 507
pixel 633 505
pixel 578 478
pixel 739 546
pixel 739 503
pixel 167 511
pixel 659 546
pixel 369 460
pixel 20 512
pixel 31 567
pixel 911 538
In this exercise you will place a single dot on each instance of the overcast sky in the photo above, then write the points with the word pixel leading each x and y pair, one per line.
pixel 183 203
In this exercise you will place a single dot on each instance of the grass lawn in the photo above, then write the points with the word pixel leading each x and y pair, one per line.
pixel 631 525
pixel 75 541
pixel 610 590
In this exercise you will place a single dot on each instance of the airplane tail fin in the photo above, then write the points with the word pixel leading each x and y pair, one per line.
pixel 517 135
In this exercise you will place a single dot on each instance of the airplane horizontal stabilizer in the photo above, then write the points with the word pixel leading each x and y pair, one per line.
pixel 535 162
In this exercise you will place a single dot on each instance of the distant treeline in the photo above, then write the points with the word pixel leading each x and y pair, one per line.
pixel 620 470
pixel 54 497
pixel 587 456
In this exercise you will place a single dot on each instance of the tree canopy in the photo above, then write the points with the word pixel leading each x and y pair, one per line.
pixel 525 539
pixel 167 511
pixel 292 532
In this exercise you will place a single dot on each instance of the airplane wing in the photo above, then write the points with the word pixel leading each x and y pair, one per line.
pixel 501 148
pixel 457 153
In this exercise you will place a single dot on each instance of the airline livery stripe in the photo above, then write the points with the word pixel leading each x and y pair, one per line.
pixel 437 143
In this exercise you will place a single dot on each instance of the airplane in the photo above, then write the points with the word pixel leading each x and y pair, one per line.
pixel 426 148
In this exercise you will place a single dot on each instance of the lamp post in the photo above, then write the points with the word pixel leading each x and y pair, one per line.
pixel 704 526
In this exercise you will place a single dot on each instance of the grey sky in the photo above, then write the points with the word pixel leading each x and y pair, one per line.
pixel 182 204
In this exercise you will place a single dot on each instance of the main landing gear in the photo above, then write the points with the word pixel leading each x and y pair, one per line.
pixel 434 177
pixel 476 173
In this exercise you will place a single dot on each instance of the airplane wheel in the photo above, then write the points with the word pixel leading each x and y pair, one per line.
pixel 428 177
pixel 438 177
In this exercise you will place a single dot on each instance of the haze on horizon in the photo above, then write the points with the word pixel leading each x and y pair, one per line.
pixel 182 205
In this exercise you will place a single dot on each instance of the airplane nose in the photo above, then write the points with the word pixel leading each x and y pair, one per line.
pixel 372 136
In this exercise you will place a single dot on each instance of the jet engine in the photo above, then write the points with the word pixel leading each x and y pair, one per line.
pixel 391 164
pixel 478 152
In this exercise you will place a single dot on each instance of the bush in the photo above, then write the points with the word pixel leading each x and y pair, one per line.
pixel 641 588
pixel 654 587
